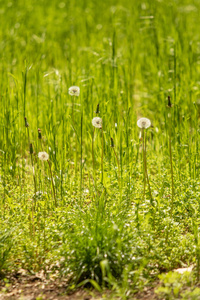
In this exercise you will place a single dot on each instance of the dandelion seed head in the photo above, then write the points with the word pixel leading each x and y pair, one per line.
pixel 97 122
pixel 144 123
pixel 74 91
pixel 43 156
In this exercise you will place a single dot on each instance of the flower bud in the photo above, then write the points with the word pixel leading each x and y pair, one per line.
pixel 39 134
pixel 26 123
pixel 31 149
pixel 97 110
pixel 169 102
pixel 112 143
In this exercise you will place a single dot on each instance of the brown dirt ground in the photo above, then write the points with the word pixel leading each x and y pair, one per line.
pixel 22 286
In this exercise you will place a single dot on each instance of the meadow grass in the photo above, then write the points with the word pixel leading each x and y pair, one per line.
pixel 127 57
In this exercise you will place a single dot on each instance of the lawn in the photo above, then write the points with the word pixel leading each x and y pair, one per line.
pixel 95 200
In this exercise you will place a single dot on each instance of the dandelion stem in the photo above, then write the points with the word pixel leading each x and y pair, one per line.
pixel 52 183
pixel 93 162
pixel 172 174
pixel 143 152
pixel 81 155
pixel 147 177
pixel 145 156
pixel 44 236
pixel 73 97
pixel 102 157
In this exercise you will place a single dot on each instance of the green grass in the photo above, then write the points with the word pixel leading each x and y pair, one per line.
pixel 128 57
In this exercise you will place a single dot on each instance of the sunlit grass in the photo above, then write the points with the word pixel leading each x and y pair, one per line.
pixel 88 213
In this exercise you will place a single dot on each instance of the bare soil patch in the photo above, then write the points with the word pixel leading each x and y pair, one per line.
pixel 22 286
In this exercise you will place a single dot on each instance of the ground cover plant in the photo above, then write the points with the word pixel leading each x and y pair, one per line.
pixel 90 192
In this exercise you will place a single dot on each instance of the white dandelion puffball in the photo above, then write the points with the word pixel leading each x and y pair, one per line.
pixel 74 91
pixel 97 122
pixel 43 156
pixel 144 123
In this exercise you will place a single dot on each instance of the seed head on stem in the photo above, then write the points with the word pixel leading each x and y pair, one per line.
pixel 145 123
pixel 44 156
pixel 74 91
pixel 97 122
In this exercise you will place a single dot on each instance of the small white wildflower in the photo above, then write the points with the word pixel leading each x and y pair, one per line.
pixel 74 91
pixel 43 156
pixel 97 122
pixel 144 123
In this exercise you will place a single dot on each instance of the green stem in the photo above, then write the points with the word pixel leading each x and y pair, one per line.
pixel 81 155
pixel 34 180
pixel 52 183
pixel 102 157
pixel 172 174
pixel 148 183
pixel 73 97
pixel 118 167
pixel 143 152
pixel 93 162
pixel 25 82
